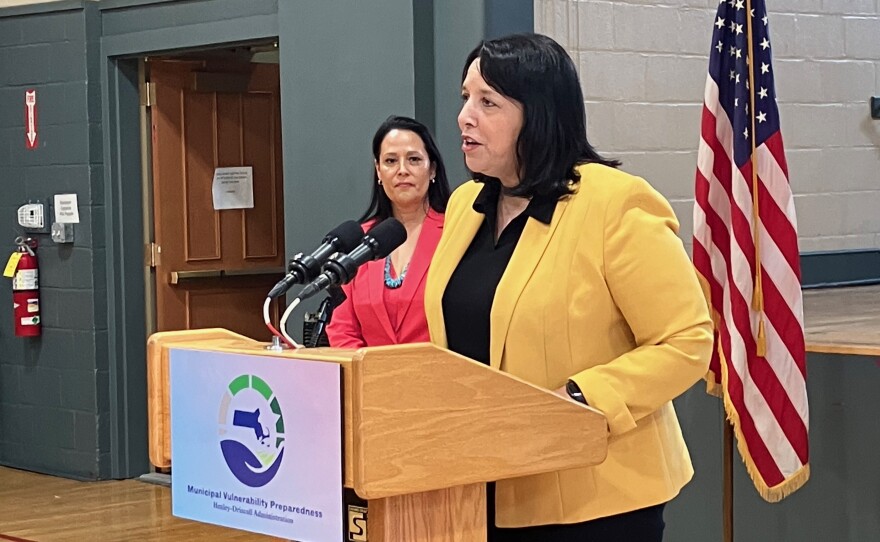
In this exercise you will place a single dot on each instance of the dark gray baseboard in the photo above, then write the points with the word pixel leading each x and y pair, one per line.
pixel 839 268
pixel 156 478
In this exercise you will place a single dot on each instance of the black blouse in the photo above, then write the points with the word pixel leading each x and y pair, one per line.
pixel 467 300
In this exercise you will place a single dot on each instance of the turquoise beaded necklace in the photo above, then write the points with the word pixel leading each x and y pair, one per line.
pixel 392 282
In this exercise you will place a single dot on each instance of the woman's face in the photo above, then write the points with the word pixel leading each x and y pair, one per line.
pixel 490 124
pixel 404 169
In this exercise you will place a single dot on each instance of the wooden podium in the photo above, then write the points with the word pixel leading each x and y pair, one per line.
pixel 424 429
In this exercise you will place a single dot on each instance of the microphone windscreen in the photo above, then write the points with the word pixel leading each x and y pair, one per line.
pixel 349 235
pixel 388 234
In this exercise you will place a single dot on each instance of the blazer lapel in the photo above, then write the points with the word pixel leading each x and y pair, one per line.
pixel 376 275
pixel 526 256
pixel 432 229
pixel 459 231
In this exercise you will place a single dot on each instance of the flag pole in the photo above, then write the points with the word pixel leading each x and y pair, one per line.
pixel 727 482
pixel 758 292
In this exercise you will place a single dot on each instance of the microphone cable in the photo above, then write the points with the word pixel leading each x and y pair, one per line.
pixel 283 323
pixel 285 338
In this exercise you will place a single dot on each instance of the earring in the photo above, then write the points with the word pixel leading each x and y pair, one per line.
pixel 433 180
pixel 379 182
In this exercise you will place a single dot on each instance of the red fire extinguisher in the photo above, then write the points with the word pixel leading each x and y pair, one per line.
pixel 26 290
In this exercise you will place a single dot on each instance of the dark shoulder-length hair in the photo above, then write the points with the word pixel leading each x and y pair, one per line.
pixel 536 71
pixel 438 191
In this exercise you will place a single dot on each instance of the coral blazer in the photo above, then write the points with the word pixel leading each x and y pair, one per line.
pixel 362 319
pixel 605 295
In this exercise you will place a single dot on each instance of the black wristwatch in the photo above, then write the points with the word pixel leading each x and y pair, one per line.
pixel 574 391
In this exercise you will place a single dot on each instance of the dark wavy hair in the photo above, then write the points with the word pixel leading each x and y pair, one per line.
pixel 536 71
pixel 438 191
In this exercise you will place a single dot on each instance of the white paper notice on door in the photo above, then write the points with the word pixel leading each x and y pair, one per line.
pixel 233 188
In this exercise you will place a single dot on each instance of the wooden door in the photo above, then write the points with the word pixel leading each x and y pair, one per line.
pixel 215 267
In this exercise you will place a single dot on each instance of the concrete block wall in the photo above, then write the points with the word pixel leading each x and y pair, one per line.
pixel 643 67
pixel 54 404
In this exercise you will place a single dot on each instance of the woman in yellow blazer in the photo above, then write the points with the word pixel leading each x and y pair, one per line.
pixel 558 268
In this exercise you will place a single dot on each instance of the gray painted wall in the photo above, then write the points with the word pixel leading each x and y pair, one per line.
pixel 345 67
pixel 54 410
pixel 458 28
pixel 459 25
pixel 841 500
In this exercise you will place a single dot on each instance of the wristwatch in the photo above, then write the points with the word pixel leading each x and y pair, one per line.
pixel 574 391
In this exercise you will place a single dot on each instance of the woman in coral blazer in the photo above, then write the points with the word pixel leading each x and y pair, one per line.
pixel 558 268
pixel 385 302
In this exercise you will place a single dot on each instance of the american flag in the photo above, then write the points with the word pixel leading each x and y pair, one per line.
pixel 746 253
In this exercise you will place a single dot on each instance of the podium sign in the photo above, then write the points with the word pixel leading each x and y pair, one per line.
pixel 256 443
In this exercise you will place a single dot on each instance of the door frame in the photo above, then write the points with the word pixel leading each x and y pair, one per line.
pixel 251 269
pixel 124 191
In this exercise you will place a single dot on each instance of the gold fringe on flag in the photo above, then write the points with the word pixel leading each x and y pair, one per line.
pixel 769 493
pixel 719 389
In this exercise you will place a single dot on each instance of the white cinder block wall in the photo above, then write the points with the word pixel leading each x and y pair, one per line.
pixel 643 67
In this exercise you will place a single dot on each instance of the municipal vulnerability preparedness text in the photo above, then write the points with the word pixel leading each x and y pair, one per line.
pixel 254 501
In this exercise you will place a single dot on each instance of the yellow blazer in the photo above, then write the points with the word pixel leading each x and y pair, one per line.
pixel 605 295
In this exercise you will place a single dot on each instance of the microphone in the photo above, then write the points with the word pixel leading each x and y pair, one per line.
pixel 378 243
pixel 304 268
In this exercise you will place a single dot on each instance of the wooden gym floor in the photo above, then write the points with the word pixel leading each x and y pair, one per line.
pixel 40 508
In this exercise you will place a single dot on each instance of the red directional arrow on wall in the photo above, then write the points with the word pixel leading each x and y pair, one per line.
pixel 30 118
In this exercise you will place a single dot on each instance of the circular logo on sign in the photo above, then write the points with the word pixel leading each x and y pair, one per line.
pixel 251 430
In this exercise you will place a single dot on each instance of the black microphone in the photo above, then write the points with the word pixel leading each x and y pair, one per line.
pixel 378 243
pixel 304 268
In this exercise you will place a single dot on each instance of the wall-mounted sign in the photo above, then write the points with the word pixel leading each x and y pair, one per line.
pixel 66 209
pixel 30 119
